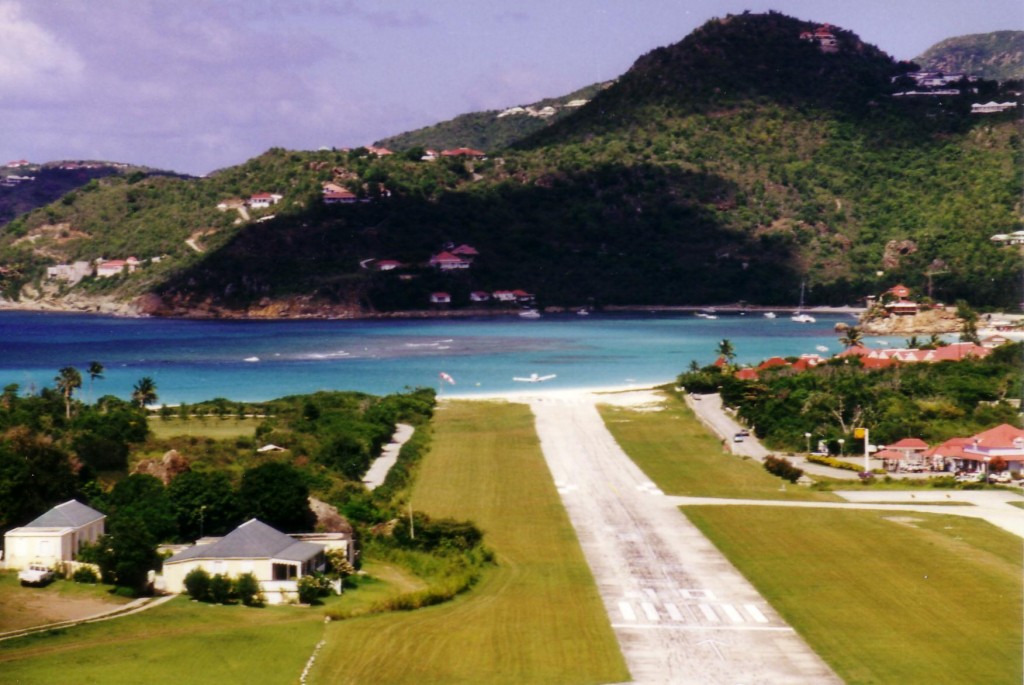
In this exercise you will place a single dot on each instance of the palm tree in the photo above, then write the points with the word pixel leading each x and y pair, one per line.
pixel 912 343
pixel 725 349
pixel 68 380
pixel 851 338
pixel 144 392
pixel 95 371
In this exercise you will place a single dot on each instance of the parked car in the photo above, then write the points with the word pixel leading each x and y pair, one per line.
pixel 738 437
pixel 1003 477
pixel 35 574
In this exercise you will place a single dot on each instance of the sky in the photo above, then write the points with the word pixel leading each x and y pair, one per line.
pixel 197 85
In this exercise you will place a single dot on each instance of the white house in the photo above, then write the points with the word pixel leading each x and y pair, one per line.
pixel 277 560
pixel 446 261
pixel 264 200
pixel 72 273
pixel 53 538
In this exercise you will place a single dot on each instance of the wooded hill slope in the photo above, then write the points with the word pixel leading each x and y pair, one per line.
pixel 998 55
pixel 730 166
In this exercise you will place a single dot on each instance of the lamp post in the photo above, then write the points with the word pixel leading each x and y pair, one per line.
pixel 864 433
pixel 841 452
pixel 807 436
pixel 202 512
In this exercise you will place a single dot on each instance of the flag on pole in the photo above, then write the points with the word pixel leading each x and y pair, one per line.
pixel 445 377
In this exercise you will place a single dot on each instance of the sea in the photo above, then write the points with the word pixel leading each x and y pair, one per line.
pixel 194 360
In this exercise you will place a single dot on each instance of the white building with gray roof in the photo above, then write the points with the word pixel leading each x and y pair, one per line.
pixel 53 538
pixel 277 560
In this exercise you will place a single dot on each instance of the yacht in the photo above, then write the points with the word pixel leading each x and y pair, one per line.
pixel 769 315
pixel 798 316
pixel 529 314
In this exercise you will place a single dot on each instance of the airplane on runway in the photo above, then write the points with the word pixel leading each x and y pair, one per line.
pixel 533 378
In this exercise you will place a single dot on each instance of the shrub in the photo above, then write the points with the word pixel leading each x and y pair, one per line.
pixel 782 468
pixel 309 590
pixel 197 584
pixel 248 590
pixel 833 462
pixel 221 589
pixel 85 574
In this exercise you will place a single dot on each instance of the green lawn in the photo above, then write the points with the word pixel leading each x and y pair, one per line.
pixel 209 427
pixel 678 453
pixel 885 597
pixel 179 642
pixel 536 618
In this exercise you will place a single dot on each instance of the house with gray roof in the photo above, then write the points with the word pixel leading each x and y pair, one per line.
pixel 277 560
pixel 53 538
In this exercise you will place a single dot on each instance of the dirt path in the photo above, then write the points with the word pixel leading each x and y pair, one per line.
pixel 680 610
pixel 388 456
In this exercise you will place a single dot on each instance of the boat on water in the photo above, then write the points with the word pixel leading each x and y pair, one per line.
pixel 252 359
pixel 798 315
pixel 705 315
pixel 529 314
pixel 583 311
pixel 769 315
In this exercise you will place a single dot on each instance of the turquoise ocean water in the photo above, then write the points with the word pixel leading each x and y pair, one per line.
pixel 258 360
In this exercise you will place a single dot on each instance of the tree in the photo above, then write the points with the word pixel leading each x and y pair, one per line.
pixel 852 337
pixel 204 503
pixel 912 343
pixel 144 392
pixel 68 380
pixel 142 500
pixel 133 554
pixel 277 494
pixel 725 349
pixel 969 317
pixel 95 371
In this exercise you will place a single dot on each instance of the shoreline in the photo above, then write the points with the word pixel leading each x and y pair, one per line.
pixel 130 310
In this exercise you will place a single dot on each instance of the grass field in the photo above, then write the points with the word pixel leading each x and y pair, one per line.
pixel 536 618
pixel 678 453
pixel 884 597
pixel 177 643
pixel 208 427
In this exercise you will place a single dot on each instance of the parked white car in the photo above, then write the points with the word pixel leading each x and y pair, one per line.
pixel 35 574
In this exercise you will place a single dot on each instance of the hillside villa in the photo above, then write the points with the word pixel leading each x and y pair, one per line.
pixel 264 200
pixel 116 267
pixel 446 261
pixel 53 538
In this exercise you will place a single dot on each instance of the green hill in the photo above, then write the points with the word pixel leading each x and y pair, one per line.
pixel 731 166
pixel 493 129
pixel 998 56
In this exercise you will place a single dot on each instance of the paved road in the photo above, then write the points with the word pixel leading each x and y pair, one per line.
pixel 680 610
pixel 378 470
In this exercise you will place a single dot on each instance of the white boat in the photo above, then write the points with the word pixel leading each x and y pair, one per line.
pixel 534 378
pixel 821 348
pixel 529 314
pixel 798 316
pixel 252 359
pixel 769 315
pixel 583 311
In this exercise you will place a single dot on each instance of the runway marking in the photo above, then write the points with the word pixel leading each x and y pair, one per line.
pixel 627 611
pixel 755 613
pixel 650 611
pixel 673 611
pixel 709 613
pixel 697 594
pixel 679 626
pixel 651 593
pixel 731 612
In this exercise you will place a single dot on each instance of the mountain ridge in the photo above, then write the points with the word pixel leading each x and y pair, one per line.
pixel 751 156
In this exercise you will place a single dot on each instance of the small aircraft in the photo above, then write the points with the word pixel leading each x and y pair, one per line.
pixel 533 378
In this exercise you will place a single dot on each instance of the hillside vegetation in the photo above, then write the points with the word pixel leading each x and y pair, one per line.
pixel 730 166
pixel 492 129
pixel 998 55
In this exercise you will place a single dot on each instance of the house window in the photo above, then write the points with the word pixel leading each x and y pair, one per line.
pixel 284 572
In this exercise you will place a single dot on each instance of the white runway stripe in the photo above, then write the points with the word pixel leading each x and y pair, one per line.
pixel 650 612
pixel 673 611
pixel 731 612
pixel 755 613
pixel 709 613
pixel 627 611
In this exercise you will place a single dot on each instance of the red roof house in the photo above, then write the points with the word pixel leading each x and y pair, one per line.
pixel 446 261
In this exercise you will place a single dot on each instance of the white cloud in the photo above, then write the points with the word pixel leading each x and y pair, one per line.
pixel 34 65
